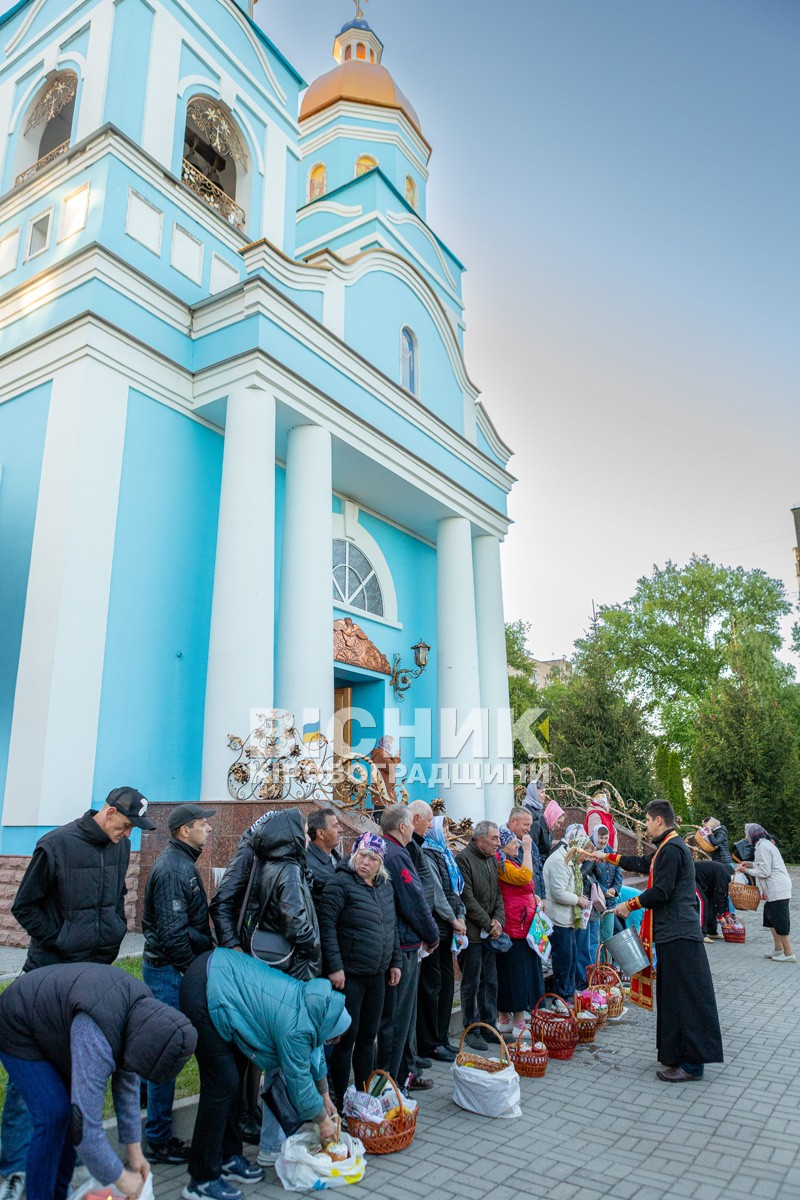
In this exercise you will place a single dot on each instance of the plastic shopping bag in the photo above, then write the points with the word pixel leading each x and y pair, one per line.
pixel 301 1170
pixel 92 1190
pixel 489 1094
pixel 538 936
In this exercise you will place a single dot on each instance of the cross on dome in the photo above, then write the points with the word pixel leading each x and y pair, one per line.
pixel 359 9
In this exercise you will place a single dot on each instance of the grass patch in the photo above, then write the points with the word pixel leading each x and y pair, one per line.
pixel 187 1083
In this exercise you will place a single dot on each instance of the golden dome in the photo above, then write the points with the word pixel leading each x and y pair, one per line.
pixel 361 83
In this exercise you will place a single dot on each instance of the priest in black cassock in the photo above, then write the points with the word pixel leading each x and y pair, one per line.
pixel 687 1024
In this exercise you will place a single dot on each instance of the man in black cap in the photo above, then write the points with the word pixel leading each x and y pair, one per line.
pixel 176 931
pixel 72 897
pixel 72 903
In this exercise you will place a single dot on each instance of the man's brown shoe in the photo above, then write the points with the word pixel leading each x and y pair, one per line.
pixel 677 1075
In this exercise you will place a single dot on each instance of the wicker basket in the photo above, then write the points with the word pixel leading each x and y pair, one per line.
pixel 558 1030
pixel 603 984
pixel 587 1027
pixel 746 897
pixel 528 1062
pixel 389 1136
pixel 471 1058
pixel 734 931
pixel 602 971
pixel 703 843
pixel 601 1014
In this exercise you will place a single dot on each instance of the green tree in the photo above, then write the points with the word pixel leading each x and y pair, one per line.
pixel 671 643
pixel 676 793
pixel 598 732
pixel 662 766
pixel 745 762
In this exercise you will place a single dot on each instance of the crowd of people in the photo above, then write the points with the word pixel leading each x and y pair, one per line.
pixel 308 970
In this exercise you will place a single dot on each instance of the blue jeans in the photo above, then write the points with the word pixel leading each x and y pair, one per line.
pixel 272 1136
pixel 165 984
pixel 16 1132
pixel 51 1157
pixel 586 942
pixel 562 941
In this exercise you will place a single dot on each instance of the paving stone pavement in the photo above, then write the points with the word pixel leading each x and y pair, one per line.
pixel 602 1126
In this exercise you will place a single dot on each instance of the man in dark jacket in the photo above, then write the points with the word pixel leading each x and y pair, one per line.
pixel 485 916
pixel 72 897
pixel 176 931
pixel 416 928
pixel 72 903
pixel 64 1032
pixel 322 859
pixel 687 1025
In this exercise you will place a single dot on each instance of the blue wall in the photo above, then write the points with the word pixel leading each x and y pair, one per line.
pixel 151 715
pixel 23 424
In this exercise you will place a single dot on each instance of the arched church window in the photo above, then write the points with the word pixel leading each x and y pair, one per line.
pixel 317 182
pixel 48 129
pixel 354 579
pixel 214 157
pixel 372 56
pixel 365 163
pixel 361 51
pixel 409 360
pixel 348 53
pixel 411 191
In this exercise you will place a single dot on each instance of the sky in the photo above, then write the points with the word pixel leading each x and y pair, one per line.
pixel 621 178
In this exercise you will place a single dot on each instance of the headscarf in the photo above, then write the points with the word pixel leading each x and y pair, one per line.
pixel 370 843
pixel 712 823
pixel 594 833
pixel 601 801
pixel 754 833
pixel 385 743
pixel 435 840
pixel 570 832
pixel 533 799
pixel 506 836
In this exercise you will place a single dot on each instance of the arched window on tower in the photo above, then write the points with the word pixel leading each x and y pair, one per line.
pixel 411 191
pixel 409 360
pixel 317 182
pixel 372 56
pixel 214 158
pixel 355 581
pixel 361 51
pixel 348 53
pixel 48 128
pixel 365 163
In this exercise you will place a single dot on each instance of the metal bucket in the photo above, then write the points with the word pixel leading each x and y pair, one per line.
pixel 626 949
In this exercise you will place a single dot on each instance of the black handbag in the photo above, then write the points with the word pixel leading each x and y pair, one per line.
pixel 267 945
pixel 278 1101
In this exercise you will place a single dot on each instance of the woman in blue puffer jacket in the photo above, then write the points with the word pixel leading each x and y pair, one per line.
pixel 245 1011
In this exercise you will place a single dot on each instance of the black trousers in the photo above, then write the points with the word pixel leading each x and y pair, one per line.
pixel 216 1132
pixel 478 983
pixel 363 999
pixel 399 1008
pixel 435 997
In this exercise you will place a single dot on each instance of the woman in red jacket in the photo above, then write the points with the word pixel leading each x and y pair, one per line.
pixel 520 982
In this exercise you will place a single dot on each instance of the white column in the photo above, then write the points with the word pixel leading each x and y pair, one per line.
pixel 498 782
pixel 457 666
pixel 304 672
pixel 273 212
pixel 240 652
pixel 60 674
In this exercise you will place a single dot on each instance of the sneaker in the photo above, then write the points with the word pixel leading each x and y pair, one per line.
pixel 268 1158
pixel 475 1039
pixel 215 1189
pixel 708 939
pixel 174 1151
pixel 504 1025
pixel 239 1170
pixel 784 958
pixel 772 953
pixel 13 1188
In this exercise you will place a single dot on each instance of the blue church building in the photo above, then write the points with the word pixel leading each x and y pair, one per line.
pixel 234 412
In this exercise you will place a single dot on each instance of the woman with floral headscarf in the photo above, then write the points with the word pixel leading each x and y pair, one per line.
pixel 361 954
pixel 519 972
pixel 442 860
pixel 564 904
pixel 769 872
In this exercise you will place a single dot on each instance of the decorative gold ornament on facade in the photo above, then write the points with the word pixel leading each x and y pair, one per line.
pixel 60 93
pixel 217 127
pixel 351 645
pixel 402 677
pixel 43 162
pixel 213 195
pixel 273 764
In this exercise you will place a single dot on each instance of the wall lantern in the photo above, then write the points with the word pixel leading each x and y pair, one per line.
pixel 402 676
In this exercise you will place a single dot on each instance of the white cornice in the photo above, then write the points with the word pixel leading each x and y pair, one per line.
pixel 14 47
pixel 487 428
pixel 310 145
pixel 401 218
pixel 329 206
pixel 310 126
pixel 322 244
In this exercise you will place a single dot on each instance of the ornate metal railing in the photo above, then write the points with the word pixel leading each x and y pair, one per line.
pixel 43 162
pixel 213 195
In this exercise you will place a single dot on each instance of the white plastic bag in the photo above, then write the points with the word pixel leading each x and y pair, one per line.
pixel 490 1095
pixel 92 1186
pixel 301 1171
